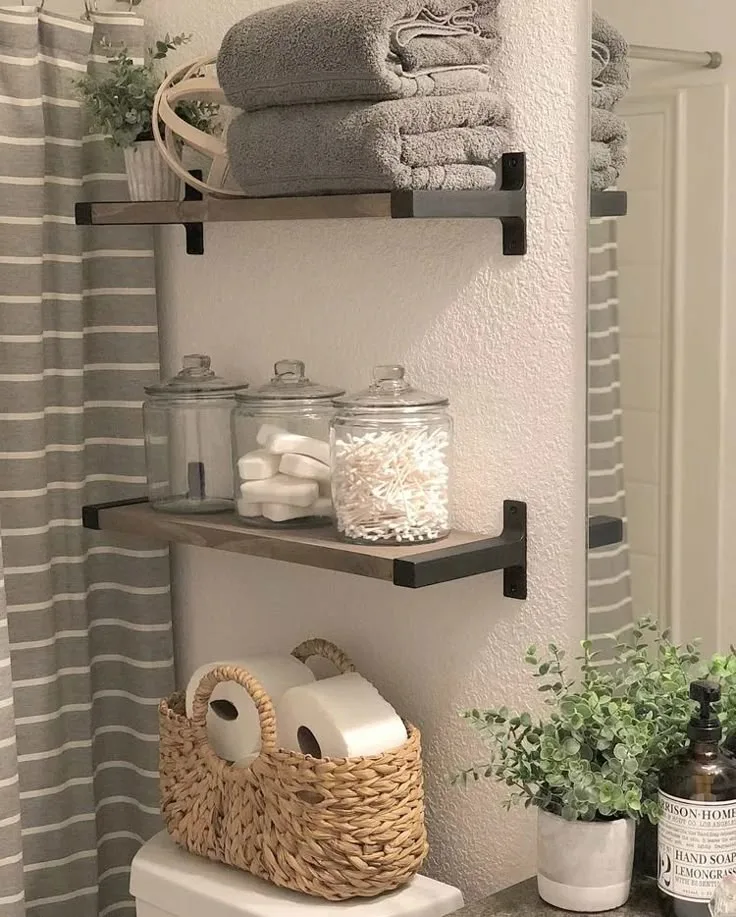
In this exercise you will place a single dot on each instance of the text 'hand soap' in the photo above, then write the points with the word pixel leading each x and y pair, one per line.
pixel 697 831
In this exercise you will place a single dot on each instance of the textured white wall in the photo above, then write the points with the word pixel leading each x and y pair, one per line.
pixel 503 337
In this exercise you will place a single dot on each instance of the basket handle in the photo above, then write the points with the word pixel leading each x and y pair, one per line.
pixel 262 701
pixel 327 650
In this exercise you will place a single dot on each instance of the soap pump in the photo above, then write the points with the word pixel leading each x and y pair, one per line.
pixel 697 829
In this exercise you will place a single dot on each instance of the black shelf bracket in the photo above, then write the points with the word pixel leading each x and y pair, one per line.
pixel 507 552
pixel 507 204
pixel 91 511
pixel 194 231
pixel 604 531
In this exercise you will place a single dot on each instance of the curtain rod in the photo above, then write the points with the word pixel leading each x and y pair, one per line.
pixel 711 60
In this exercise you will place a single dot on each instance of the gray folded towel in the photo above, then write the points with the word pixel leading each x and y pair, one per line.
pixel 611 76
pixel 448 142
pixel 334 50
pixel 609 150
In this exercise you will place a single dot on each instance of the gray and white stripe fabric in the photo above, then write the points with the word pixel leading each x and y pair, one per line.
pixel 89 619
pixel 12 895
pixel 610 610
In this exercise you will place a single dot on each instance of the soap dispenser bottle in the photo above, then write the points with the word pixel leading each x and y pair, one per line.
pixel 697 830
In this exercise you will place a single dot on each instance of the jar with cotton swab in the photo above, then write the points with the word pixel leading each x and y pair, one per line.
pixel 281 451
pixel 391 460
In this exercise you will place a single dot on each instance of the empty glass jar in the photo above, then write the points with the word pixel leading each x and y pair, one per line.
pixel 281 450
pixel 391 462
pixel 186 424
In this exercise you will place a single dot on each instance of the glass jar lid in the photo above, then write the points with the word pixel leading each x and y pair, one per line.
pixel 195 378
pixel 290 384
pixel 390 389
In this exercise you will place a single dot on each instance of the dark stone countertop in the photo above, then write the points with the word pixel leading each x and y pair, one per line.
pixel 522 900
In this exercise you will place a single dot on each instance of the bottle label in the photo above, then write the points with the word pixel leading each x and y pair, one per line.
pixel 697 846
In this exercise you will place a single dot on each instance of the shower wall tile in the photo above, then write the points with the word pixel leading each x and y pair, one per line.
pixel 640 374
pixel 644 583
pixel 643 320
pixel 641 446
pixel 647 138
pixel 643 237
pixel 640 299
pixel 643 514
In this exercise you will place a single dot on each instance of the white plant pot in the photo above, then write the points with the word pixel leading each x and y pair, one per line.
pixel 149 178
pixel 584 866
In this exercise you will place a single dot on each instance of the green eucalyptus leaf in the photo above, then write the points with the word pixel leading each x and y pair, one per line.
pixel 571 747
pixel 598 750
pixel 621 752
pixel 118 100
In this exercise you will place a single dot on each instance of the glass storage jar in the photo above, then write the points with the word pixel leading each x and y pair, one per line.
pixel 186 423
pixel 281 450
pixel 391 462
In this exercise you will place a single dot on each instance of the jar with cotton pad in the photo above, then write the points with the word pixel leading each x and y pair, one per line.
pixel 281 450
pixel 186 425
pixel 391 462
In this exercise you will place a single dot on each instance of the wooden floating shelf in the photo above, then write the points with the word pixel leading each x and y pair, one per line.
pixel 461 555
pixel 608 204
pixel 456 557
pixel 386 205
pixel 507 204
pixel 395 205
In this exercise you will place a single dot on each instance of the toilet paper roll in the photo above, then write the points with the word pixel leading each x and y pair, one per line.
pixel 341 717
pixel 232 720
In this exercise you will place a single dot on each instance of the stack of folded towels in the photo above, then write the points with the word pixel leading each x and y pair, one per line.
pixel 341 96
pixel 609 133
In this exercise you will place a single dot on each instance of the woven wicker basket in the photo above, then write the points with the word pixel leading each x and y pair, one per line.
pixel 335 828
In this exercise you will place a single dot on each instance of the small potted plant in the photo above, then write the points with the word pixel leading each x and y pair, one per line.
pixel 118 103
pixel 655 674
pixel 583 767
pixel 592 768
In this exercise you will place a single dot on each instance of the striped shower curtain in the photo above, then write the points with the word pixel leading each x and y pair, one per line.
pixel 610 609
pixel 85 628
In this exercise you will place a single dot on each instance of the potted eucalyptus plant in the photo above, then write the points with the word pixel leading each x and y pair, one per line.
pixel 656 674
pixel 118 103
pixel 591 766
pixel 582 766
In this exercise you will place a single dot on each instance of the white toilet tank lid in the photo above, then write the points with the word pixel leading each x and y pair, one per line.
pixel 182 885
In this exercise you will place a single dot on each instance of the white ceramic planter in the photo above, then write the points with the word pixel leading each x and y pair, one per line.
pixel 584 866
pixel 149 178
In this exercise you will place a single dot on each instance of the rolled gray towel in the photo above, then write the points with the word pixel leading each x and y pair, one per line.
pixel 611 74
pixel 448 142
pixel 609 151
pixel 334 50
